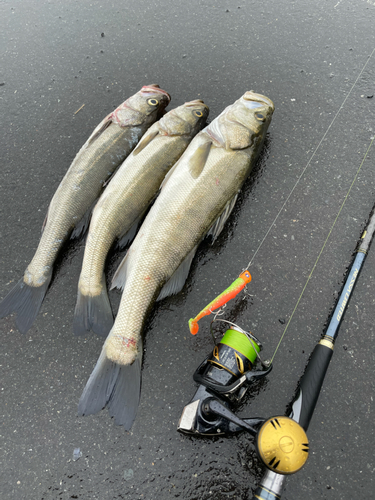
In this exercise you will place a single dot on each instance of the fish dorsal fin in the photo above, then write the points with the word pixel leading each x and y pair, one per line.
pixel 119 278
pixel 45 220
pixel 178 278
pixel 145 141
pixel 198 159
pixel 218 225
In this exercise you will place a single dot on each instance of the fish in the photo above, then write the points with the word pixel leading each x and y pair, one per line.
pixel 196 198
pixel 68 213
pixel 122 206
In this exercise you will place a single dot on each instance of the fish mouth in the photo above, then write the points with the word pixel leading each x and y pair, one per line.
pixel 154 87
pixel 250 95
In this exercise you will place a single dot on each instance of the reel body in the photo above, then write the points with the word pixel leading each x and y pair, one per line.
pixel 223 379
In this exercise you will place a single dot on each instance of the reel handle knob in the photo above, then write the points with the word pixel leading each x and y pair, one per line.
pixel 282 445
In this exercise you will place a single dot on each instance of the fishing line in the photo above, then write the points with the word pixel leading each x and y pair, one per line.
pixel 322 249
pixel 245 277
pixel 310 160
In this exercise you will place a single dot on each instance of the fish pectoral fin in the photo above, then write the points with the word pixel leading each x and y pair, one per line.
pixel 119 278
pixel 103 125
pixel 178 278
pixel 198 159
pixel 145 141
pixel 196 163
pixel 108 180
pixel 218 225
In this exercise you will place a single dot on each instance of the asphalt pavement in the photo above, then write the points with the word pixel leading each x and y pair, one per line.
pixel 64 67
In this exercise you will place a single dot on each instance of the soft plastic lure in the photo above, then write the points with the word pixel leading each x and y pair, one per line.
pixel 228 294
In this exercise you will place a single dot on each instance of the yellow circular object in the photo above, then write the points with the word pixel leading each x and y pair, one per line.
pixel 283 445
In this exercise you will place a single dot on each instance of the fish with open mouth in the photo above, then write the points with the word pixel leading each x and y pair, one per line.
pixel 68 214
pixel 121 207
pixel 196 198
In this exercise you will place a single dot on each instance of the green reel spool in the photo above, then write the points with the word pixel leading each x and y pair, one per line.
pixel 236 353
pixel 246 345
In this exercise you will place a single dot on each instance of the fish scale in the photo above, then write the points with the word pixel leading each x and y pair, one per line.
pixel 195 200
pixel 156 256
pixel 68 214
pixel 65 209
pixel 107 221
pixel 124 202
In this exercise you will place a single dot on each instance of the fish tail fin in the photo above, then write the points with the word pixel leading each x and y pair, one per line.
pixel 124 400
pixel 114 386
pixel 93 313
pixel 25 301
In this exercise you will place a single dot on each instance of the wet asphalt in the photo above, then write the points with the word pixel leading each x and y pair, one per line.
pixel 316 61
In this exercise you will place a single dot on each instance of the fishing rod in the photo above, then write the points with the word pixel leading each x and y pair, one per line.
pixel 224 376
pixel 310 384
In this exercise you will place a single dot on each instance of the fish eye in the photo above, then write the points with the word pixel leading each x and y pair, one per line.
pixel 260 117
pixel 198 113
pixel 153 102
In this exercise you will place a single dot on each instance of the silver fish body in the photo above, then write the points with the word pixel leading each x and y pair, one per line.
pixel 109 144
pixel 123 203
pixel 195 200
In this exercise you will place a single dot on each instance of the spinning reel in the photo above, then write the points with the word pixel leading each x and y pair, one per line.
pixel 223 378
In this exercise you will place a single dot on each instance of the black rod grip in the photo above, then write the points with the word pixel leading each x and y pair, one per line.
pixel 312 381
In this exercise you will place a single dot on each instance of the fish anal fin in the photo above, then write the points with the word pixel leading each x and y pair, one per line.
pixel 125 238
pixel 178 278
pixel 119 278
pixel 83 225
pixel 218 225
pixel 198 160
